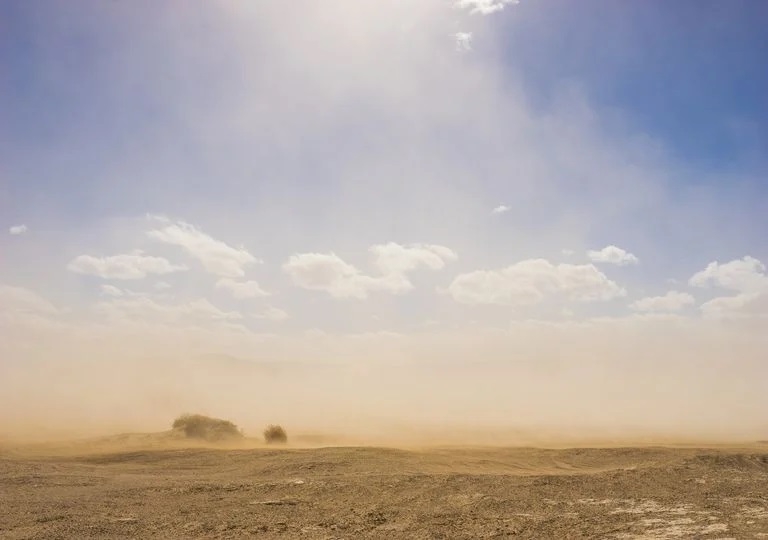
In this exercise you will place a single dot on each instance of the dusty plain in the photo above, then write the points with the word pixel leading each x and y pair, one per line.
pixel 139 487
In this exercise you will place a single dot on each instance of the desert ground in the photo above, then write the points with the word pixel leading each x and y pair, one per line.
pixel 133 486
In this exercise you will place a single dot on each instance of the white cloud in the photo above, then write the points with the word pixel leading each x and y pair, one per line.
pixel 146 310
pixel 484 7
pixel 328 272
pixel 24 314
pixel 111 290
pixel 672 301
pixel 567 252
pixel 529 282
pixel 744 275
pixel 463 41
pixel 272 314
pixel 241 289
pixel 501 209
pixel 393 258
pixel 116 292
pixel 133 265
pixel 18 229
pixel 216 257
pixel 612 255
pixel 162 285
pixel 21 300
pixel 741 305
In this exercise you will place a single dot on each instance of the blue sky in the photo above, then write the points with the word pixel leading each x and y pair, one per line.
pixel 688 73
pixel 404 176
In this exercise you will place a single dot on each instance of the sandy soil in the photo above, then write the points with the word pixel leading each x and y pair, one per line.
pixel 359 492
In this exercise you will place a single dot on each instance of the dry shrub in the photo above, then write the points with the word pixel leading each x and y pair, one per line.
pixel 275 435
pixel 198 426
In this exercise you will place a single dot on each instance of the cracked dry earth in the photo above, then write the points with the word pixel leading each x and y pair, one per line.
pixel 620 493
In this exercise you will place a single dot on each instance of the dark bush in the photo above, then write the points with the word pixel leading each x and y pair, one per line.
pixel 275 435
pixel 198 426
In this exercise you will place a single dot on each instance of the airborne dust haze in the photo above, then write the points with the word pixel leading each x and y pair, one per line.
pixel 305 143
pixel 653 380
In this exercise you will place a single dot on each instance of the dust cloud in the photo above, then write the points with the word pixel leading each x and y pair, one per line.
pixel 536 383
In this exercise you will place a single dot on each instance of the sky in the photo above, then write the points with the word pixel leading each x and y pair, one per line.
pixel 424 212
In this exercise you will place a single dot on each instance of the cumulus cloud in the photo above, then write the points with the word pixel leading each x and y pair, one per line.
pixel 746 276
pixel 272 314
pixel 743 275
pixel 18 229
pixel 738 306
pixel 612 255
pixel 393 258
pixel 501 209
pixel 241 289
pixel 216 256
pixel 529 282
pixel 328 272
pixel 672 301
pixel 484 7
pixel 23 315
pixel 111 290
pixel 146 310
pixel 21 300
pixel 133 265
pixel 463 41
